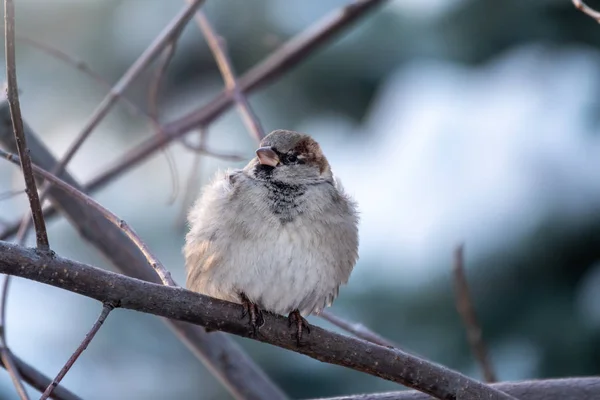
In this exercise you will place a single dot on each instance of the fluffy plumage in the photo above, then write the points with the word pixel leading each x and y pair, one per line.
pixel 281 231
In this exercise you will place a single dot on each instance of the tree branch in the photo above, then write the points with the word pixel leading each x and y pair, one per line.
pixel 224 358
pixel 106 309
pixel 587 10
pixel 184 305
pixel 12 93
pixel 464 305
pixel 220 54
pixel 552 389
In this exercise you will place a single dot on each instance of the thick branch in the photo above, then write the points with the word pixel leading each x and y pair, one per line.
pixel 220 354
pixel 12 93
pixel 184 305
pixel 552 389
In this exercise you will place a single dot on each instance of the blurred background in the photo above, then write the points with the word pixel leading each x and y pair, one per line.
pixel 449 121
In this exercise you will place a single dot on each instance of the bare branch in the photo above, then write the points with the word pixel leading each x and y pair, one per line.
pixel 279 62
pixel 584 8
pixel 163 39
pixel 242 377
pixel 357 329
pixel 185 305
pixel 551 389
pixel 81 66
pixel 192 185
pixel 39 381
pixel 12 93
pixel 13 371
pixel 220 54
pixel 106 309
pixel 200 148
pixel 161 271
pixel 464 305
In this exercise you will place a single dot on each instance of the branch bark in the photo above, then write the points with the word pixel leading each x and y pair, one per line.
pixel 224 358
pixel 184 305
pixel 552 389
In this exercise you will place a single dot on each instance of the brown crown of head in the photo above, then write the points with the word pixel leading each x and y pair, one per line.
pixel 282 141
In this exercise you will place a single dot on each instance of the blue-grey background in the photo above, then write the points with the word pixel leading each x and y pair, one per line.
pixel 448 120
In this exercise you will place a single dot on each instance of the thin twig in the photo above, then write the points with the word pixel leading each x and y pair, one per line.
pixel 15 375
pixel 357 329
pixel 153 93
pixel 17 123
pixel 203 150
pixel 161 41
pixel 106 309
pixel 584 8
pixel 282 60
pixel 464 305
pixel 192 185
pixel 83 67
pixel 220 54
pixel 161 271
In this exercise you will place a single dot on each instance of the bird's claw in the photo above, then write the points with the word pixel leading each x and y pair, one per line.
pixel 301 324
pixel 256 318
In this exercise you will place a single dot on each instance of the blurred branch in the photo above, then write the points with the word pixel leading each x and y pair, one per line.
pixel 39 381
pixel 81 66
pixel 282 60
pixel 153 94
pixel 13 372
pixel 106 309
pixel 200 148
pixel 357 329
pixel 464 305
pixel 161 271
pixel 192 185
pixel 217 47
pixel 551 389
pixel 12 93
pixel 581 6
pixel 222 356
pixel 184 305
pixel 160 42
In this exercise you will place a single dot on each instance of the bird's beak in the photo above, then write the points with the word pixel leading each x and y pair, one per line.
pixel 266 156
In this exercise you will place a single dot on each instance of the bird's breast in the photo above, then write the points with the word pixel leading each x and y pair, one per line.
pixel 285 200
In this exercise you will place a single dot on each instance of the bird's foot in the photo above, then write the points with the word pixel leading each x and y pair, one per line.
pixel 300 324
pixel 255 315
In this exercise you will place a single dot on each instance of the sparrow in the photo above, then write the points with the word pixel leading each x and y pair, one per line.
pixel 279 235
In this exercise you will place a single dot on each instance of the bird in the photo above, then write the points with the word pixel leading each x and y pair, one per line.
pixel 279 235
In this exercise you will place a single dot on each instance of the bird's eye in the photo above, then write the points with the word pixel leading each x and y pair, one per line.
pixel 292 158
